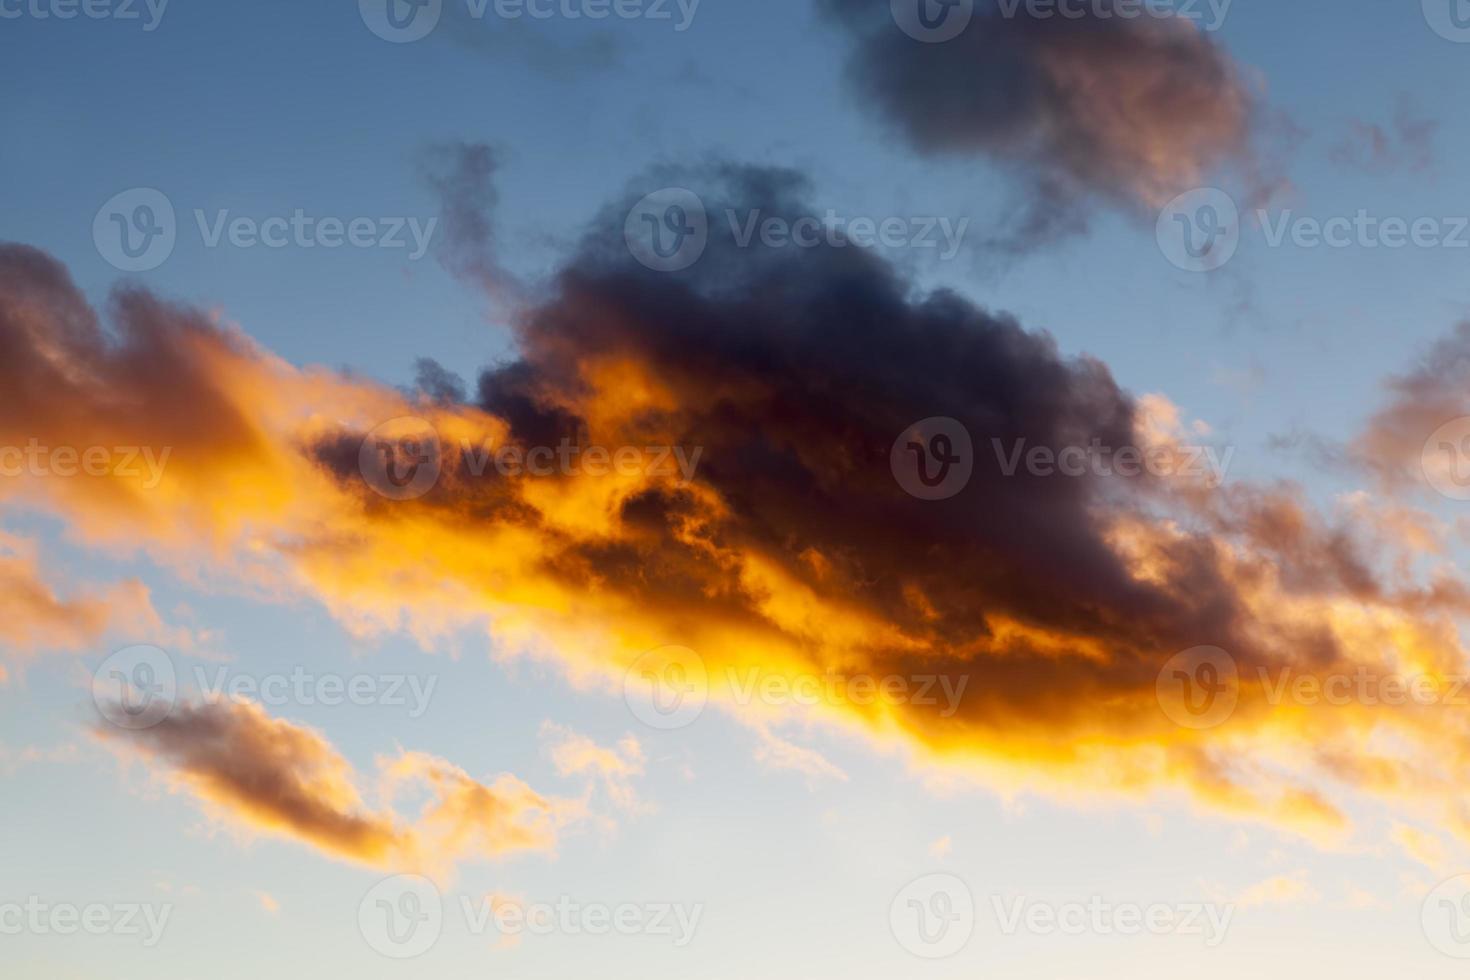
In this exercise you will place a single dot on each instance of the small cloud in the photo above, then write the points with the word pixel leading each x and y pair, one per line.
pixel 941 847
pixel 1287 889
pixel 268 902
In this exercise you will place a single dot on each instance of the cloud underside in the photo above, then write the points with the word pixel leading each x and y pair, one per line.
pixel 268 775
pixel 793 549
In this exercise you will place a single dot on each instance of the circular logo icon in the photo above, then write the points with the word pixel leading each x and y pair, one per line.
pixel 136 687
pixel 933 916
pixel 401 459
pixel 933 459
pixel 135 230
pixel 932 21
pixel 666 688
pixel 1450 19
pixel 1199 687
pixel 1445 459
pixel 1445 917
pixel 1199 230
pixel 401 21
pixel 401 917
pixel 667 230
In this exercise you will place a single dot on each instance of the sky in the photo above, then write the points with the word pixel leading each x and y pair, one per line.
pixel 831 487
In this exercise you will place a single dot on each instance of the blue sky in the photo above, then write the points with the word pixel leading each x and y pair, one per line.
pixel 275 107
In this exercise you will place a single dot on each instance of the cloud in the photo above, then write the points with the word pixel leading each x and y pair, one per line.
pixel 792 548
pixel 779 753
pixel 1406 142
pixel 33 617
pixel 1133 110
pixel 286 780
pixel 616 767
pixel 1288 889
